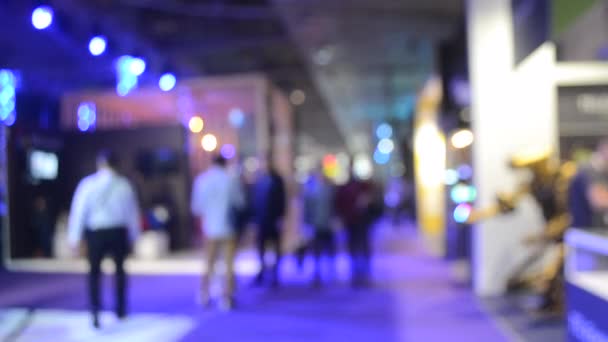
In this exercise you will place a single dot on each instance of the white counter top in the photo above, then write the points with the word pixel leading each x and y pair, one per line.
pixel 588 244
pixel 592 282
pixel 595 241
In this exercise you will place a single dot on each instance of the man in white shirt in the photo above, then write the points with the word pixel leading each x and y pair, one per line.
pixel 105 211
pixel 215 197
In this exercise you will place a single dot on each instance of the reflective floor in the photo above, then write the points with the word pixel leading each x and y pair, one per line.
pixel 413 299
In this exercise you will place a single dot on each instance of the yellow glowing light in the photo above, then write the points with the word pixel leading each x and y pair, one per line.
pixel 209 143
pixel 430 153
pixel 196 124
pixel 462 139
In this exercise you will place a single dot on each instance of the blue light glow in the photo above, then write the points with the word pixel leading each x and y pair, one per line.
pixel 128 68
pixel 42 17
pixel 167 82
pixel 12 117
pixel 381 158
pixel 228 151
pixel 465 172
pixel 83 125
pixel 97 45
pixel 123 64
pixel 7 78
pixel 137 66
pixel 126 84
pixel 7 94
pixel 236 117
pixel 463 193
pixel 384 131
pixel 462 213
pixel 451 177
pixel 8 83
pixel 87 116
pixel 10 106
pixel 386 146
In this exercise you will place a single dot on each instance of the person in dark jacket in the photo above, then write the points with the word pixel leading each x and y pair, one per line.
pixel 318 198
pixel 581 213
pixel 269 210
pixel 357 206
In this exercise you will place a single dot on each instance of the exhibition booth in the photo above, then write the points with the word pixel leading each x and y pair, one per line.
pixel 536 87
pixel 163 140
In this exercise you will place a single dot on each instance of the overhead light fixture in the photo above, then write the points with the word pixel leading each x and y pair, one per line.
pixel 42 17
pixel 8 86
pixel 98 45
pixel 87 116
pixel 137 66
pixel 167 82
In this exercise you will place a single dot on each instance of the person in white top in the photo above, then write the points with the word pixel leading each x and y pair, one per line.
pixel 105 211
pixel 216 195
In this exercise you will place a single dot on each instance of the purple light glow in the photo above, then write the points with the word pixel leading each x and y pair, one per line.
pixel 228 151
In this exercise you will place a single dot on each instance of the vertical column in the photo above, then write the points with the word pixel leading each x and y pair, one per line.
pixel 429 163
pixel 512 111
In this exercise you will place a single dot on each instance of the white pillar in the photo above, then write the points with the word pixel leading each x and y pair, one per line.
pixel 512 110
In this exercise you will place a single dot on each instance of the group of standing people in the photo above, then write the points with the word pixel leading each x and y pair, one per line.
pixel 355 205
pixel 105 212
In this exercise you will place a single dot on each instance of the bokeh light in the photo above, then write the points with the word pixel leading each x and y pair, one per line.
pixel 462 213
pixel 137 66
pixel 97 45
pixel 330 166
pixel 167 82
pixel 381 158
pixel 384 131
pixel 462 139
pixel 228 151
pixel 8 85
pixel 196 124
pixel 87 116
pixel 236 117
pixel 297 97
pixel 209 143
pixel 126 78
pixel 386 146
pixel 463 193
pixel 465 172
pixel 451 177
pixel 42 17
pixel 363 167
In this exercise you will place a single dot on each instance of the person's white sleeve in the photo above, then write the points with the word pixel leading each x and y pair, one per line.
pixel 197 202
pixel 133 217
pixel 76 220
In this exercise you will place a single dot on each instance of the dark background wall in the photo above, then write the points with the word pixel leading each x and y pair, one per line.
pixel 77 152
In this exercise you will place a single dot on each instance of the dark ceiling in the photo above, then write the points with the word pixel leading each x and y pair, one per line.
pixel 359 62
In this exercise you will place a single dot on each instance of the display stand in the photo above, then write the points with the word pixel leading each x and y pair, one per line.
pixel 586 272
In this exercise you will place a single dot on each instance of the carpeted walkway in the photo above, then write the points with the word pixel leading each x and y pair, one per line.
pixel 413 300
